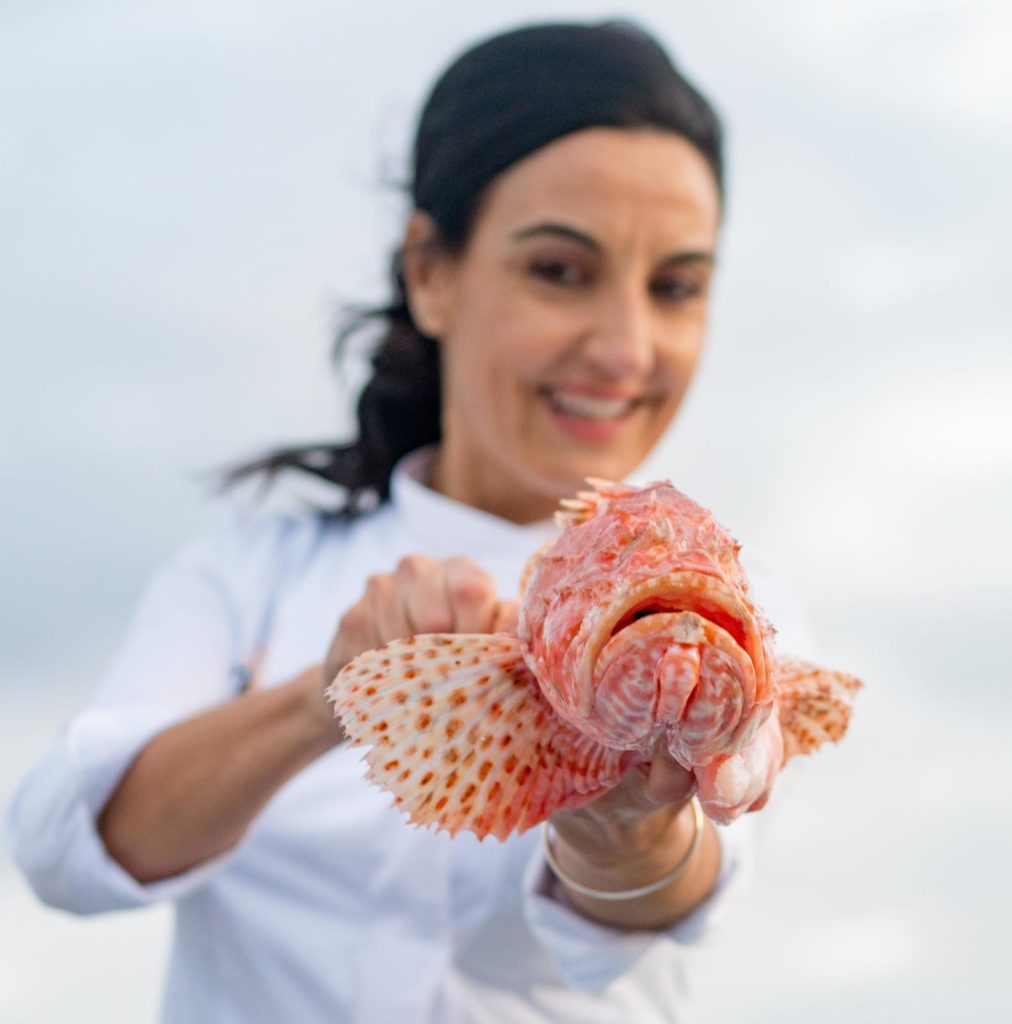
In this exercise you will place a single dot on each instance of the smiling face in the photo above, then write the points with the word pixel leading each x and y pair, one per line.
pixel 571 323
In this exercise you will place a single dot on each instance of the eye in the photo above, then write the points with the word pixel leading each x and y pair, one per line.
pixel 560 272
pixel 676 289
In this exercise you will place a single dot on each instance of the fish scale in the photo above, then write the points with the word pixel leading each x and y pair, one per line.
pixel 636 623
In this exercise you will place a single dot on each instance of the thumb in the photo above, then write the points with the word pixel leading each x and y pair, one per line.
pixel 506 615
pixel 668 782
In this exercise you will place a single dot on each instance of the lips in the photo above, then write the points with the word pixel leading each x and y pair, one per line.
pixel 584 405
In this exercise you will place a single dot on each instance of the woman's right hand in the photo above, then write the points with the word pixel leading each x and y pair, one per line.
pixel 422 595
pixel 182 801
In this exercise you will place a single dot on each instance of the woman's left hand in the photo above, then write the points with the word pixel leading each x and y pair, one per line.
pixel 635 813
pixel 633 835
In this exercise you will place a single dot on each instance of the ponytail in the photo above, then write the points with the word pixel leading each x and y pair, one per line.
pixel 398 410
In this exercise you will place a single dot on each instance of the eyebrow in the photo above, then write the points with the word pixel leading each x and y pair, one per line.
pixel 558 230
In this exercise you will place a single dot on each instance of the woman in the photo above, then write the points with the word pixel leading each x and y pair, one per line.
pixel 548 314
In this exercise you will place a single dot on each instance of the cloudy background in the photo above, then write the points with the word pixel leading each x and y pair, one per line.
pixel 190 190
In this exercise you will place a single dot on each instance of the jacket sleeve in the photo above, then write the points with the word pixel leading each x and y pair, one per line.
pixel 591 956
pixel 178 658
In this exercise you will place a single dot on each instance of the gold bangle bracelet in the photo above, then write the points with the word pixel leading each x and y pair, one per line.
pixel 626 894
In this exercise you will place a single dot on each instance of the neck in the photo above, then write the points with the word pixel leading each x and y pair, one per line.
pixel 484 487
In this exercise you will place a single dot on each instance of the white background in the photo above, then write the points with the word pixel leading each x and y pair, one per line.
pixel 190 190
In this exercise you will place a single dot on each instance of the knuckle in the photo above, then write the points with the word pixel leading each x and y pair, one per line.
pixel 436 620
pixel 467 582
pixel 461 565
pixel 414 566
pixel 462 562
pixel 438 626
pixel 378 585
pixel 470 590
pixel 354 619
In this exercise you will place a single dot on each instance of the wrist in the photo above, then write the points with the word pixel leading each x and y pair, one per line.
pixel 608 852
pixel 323 728
pixel 630 869
pixel 686 876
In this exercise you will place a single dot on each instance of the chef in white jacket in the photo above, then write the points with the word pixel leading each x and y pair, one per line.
pixel 547 314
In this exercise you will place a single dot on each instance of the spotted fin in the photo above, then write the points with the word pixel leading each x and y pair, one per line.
pixel 813 705
pixel 459 732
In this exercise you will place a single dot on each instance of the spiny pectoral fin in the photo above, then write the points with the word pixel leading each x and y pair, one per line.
pixel 576 511
pixel 813 703
pixel 460 733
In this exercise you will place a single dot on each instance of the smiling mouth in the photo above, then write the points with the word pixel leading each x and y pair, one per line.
pixel 591 407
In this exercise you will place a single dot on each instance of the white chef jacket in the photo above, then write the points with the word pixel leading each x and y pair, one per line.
pixel 332 908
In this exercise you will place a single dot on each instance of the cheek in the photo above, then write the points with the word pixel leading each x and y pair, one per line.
pixel 688 361
pixel 488 383
pixel 502 346
pixel 678 360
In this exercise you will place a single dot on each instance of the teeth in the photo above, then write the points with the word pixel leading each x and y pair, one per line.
pixel 591 408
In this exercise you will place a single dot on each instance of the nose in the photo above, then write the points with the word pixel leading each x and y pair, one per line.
pixel 621 343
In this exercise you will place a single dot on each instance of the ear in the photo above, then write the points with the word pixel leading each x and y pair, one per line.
pixel 428 278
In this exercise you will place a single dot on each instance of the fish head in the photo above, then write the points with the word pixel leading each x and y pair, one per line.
pixel 638 579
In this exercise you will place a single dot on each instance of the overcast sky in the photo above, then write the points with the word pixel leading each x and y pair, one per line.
pixel 190 190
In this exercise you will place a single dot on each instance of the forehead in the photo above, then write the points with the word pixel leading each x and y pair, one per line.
pixel 608 181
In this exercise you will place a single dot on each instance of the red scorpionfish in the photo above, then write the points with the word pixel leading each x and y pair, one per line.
pixel 636 632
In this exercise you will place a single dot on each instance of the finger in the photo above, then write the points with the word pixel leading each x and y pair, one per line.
pixel 353 636
pixel 386 610
pixel 423 595
pixel 668 782
pixel 471 594
pixel 506 615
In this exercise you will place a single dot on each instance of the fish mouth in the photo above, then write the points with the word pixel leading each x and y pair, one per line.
pixel 707 596
pixel 660 604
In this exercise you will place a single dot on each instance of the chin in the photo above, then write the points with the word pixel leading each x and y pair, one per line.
pixel 564 463
pixel 564 477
